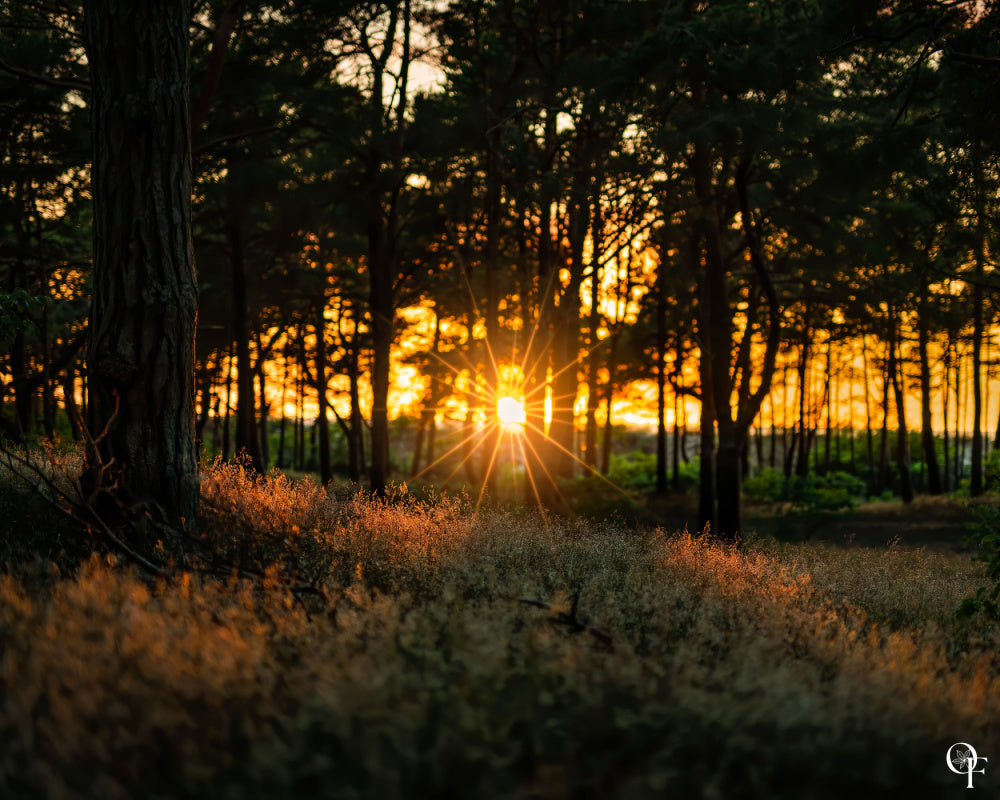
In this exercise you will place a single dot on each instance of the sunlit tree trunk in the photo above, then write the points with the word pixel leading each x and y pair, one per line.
pixel 144 303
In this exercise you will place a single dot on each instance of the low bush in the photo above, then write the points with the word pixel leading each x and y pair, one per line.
pixel 424 649
pixel 830 491
pixel 985 538
pixel 635 470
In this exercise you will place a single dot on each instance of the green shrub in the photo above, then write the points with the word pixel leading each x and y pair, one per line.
pixel 985 536
pixel 767 486
pixel 634 470
pixel 446 652
pixel 829 491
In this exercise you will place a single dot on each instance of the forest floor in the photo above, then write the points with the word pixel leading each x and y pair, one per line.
pixel 938 524
pixel 332 646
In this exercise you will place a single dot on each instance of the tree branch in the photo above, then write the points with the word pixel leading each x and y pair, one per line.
pixel 57 83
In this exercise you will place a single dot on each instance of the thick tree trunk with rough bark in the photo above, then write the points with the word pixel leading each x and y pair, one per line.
pixel 144 307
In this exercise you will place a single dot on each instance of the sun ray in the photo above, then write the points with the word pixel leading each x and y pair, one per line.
pixel 531 479
pixel 594 472
pixel 489 469
pixel 552 480
pixel 445 455
pixel 458 373
pixel 465 460
pixel 571 365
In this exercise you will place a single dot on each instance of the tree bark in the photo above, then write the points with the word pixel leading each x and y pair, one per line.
pixel 144 305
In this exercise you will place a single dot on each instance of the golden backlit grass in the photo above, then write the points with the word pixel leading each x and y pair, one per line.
pixel 644 664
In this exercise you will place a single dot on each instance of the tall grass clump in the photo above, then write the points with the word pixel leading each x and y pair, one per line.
pixel 445 652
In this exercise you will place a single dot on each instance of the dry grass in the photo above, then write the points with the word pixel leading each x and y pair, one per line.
pixel 659 665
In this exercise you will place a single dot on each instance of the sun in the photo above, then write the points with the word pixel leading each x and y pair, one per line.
pixel 510 411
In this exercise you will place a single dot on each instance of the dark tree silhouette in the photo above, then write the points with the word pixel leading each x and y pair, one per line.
pixel 140 355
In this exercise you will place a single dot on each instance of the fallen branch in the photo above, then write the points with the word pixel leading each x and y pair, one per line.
pixel 571 620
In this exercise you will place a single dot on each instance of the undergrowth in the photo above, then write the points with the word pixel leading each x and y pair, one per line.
pixel 449 652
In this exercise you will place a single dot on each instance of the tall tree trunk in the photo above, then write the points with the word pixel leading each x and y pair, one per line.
pixel 356 460
pixel 961 403
pixel 976 483
pixel 382 306
pixel 609 398
pixel 283 423
pixel 732 421
pixel 926 426
pixel 828 404
pixel 538 447
pixel 706 464
pixel 675 477
pixel 661 387
pixel 494 209
pixel 772 453
pixel 883 463
pixel 205 404
pixel 246 411
pixel 945 394
pixel 226 430
pixel 428 414
pixel 323 420
pixel 802 462
pixel 384 165
pixel 895 369
pixel 870 436
pixel 144 306
pixel 263 441
pixel 593 325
